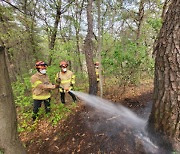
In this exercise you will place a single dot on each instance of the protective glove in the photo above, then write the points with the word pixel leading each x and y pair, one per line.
pixel 57 86
pixel 72 86
pixel 58 80
pixel 67 89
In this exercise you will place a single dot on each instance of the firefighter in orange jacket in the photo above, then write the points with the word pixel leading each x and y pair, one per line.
pixel 97 70
pixel 66 80
pixel 41 88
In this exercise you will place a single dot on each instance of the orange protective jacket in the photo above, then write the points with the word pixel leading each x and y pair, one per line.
pixel 97 74
pixel 65 80
pixel 41 86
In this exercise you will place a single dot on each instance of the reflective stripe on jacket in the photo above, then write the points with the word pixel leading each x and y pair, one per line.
pixel 97 73
pixel 41 86
pixel 65 80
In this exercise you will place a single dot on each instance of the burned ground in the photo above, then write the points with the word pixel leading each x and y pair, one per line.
pixel 87 131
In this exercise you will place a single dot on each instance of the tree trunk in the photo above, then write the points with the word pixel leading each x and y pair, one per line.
pixel 99 48
pixel 77 29
pixel 164 10
pixel 11 67
pixel 30 27
pixel 54 32
pixel 78 51
pixel 9 141
pixel 165 115
pixel 140 19
pixel 89 51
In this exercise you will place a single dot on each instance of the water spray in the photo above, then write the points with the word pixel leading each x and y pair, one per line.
pixel 122 115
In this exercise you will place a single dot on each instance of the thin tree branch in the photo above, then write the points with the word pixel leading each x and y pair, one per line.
pixel 15 7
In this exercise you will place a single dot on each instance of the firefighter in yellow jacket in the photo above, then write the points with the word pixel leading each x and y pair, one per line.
pixel 66 80
pixel 97 70
pixel 41 88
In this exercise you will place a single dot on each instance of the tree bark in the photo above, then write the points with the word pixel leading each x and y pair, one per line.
pixel 140 19
pixel 77 29
pixel 165 115
pixel 164 10
pixel 99 48
pixel 54 32
pixel 89 51
pixel 9 141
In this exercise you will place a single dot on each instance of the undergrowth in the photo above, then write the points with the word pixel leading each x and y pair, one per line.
pixel 24 106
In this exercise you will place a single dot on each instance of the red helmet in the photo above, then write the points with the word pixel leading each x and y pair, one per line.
pixel 63 64
pixel 96 63
pixel 40 64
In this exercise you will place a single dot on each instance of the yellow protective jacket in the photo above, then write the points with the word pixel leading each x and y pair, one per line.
pixel 97 73
pixel 65 80
pixel 41 86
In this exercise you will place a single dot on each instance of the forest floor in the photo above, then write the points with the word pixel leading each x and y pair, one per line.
pixel 86 131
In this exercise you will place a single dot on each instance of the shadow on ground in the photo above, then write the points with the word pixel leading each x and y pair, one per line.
pixel 86 131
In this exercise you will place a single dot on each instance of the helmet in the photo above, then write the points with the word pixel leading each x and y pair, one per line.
pixel 40 64
pixel 96 63
pixel 63 64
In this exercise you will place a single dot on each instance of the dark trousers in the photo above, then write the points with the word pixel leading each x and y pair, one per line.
pixel 63 97
pixel 37 105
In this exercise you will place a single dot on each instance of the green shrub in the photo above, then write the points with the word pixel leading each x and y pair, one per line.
pixel 127 62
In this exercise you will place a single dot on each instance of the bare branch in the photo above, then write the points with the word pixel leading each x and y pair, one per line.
pixel 15 7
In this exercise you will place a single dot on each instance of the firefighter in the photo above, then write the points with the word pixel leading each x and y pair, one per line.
pixel 41 88
pixel 66 80
pixel 96 64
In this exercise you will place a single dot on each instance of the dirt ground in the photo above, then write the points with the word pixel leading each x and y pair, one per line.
pixel 87 132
